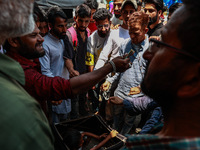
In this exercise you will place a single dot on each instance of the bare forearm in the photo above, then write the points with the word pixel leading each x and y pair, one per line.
pixel 90 68
pixel 69 64
pixel 85 81
pixel 103 142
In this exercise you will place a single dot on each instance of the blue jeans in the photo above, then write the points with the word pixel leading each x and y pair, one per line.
pixel 123 122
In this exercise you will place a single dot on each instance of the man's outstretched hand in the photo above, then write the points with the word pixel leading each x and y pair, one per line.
pixel 121 63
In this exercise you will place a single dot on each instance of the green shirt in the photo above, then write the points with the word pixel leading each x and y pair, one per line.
pixel 23 125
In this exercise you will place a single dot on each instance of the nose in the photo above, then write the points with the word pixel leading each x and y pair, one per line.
pixel 147 12
pixel 116 7
pixel 40 38
pixel 103 28
pixel 64 29
pixel 128 15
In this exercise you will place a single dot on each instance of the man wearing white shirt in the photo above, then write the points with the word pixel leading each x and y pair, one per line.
pixel 95 45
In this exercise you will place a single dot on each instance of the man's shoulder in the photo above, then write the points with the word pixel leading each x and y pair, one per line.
pixel 94 35
pixel 126 42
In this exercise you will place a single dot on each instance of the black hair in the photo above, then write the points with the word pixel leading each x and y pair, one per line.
pixel 72 138
pixel 174 6
pixel 102 14
pixel 54 12
pixel 91 3
pixel 158 4
pixel 39 13
pixel 139 3
pixel 83 11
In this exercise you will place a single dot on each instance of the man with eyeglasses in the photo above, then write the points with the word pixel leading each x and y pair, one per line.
pixel 154 9
pixel 95 44
pixel 111 50
pixel 172 80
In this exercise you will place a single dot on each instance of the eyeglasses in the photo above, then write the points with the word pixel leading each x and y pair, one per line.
pixel 106 26
pixel 154 46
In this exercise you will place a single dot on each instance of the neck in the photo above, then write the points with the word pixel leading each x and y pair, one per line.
pixel 77 29
pixel 153 25
pixel 183 120
pixel 124 26
pixel 54 34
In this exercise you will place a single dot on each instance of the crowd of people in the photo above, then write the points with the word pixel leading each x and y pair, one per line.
pixel 121 65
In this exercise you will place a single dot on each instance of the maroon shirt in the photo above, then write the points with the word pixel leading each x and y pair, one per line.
pixel 40 86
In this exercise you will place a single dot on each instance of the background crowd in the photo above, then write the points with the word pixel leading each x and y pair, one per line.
pixel 111 61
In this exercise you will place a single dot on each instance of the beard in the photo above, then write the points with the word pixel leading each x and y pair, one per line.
pixel 153 20
pixel 30 53
pixel 161 87
pixel 82 29
pixel 117 15
pixel 101 34
pixel 60 35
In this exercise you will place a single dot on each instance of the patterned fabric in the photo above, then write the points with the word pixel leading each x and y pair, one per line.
pixel 152 142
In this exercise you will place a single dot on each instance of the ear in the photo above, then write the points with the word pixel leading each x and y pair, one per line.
pixel 159 13
pixel 146 30
pixel 50 25
pixel 191 82
pixel 13 42
pixel 74 18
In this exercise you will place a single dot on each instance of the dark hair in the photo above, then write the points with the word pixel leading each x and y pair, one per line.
pixel 190 27
pixel 139 3
pixel 37 12
pixel 158 4
pixel 54 12
pixel 102 14
pixel 174 6
pixel 91 3
pixel 139 17
pixel 83 11
pixel 72 138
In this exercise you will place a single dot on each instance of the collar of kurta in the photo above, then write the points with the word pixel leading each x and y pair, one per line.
pixel 24 62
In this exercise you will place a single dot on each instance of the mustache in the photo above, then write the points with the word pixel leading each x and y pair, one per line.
pixel 39 43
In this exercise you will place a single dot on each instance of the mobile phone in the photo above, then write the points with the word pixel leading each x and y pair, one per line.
pixel 130 53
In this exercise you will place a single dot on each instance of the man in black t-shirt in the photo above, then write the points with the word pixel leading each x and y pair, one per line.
pixel 154 8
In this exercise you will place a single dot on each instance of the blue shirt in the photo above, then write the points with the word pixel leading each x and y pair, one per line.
pixel 132 77
pixel 52 64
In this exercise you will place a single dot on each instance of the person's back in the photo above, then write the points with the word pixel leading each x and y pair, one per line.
pixel 23 123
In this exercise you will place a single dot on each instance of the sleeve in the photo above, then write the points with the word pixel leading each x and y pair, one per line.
pixel 45 62
pixel 69 49
pixel 104 55
pixel 90 53
pixel 111 79
pixel 155 118
pixel 47 88
pixel 117 52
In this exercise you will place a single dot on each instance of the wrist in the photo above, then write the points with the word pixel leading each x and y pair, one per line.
pixel 113 66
